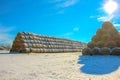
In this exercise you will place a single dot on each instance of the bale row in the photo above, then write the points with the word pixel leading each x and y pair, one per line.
pixel 46 50
pixel 27 42
pixel 101 51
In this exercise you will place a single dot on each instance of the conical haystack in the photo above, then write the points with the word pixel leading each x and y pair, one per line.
pixel 106 41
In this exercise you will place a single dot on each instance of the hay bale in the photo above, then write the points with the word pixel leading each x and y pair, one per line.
pixel 113 31
pixel 110 44
pixel 115 51
pixel 86 51
pixel 25 45
pixel 100 32
pixel 106 37
pixel 105 51
pixel 33 50
pixel 91 44
pixel 100 44
pixel 95 38
pixel 106 25
pixel 96 50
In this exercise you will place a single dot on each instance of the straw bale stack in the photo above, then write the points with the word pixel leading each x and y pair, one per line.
pixel 106 40
pixel 31 43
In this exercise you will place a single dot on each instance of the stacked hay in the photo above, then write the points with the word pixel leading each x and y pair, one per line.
pixel 32 43
pixel 106 41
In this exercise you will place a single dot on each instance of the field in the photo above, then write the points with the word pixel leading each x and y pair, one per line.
pixel 59 66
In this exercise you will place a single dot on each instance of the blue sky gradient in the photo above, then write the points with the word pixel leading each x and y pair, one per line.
pixel 72 19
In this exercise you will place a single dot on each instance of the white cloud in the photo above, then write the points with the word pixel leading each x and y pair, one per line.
pixel 75 29
pixel 64 3
pixel 67 3
pixel 102 18
pixel 117 25
pixel 105 18
pixel 61 5
pixel 5 36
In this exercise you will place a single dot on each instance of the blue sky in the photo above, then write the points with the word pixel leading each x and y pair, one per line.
pixel 72 19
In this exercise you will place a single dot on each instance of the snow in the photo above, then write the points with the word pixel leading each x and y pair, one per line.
pixel 58 66
pixel 99 65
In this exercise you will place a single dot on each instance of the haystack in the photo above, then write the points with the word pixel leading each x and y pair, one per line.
pixel 32 43
pixel 107 39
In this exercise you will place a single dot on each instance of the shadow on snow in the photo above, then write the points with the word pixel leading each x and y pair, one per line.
pixel 99 65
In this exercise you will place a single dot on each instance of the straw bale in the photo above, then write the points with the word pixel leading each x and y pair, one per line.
pixel 86 51
pixel 106 37
pixel 117 42
pixel 32 41
pixel 91 44
pixel 95 38
pixel 26 37
pixel 106 25
pixel 22 36
pixel 100 32
pixel 113 31
pixel 37 50
pixel 100 44
pixel 26 50
pixel 116 51
pixel 24 45
pixel 30 37
pixel 30 45
pixel 105 51
pixel 34 45
pixel 96 50
pixel 110 44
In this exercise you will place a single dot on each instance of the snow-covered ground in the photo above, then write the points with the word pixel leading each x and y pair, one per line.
pixel 58 66
pixel 4 51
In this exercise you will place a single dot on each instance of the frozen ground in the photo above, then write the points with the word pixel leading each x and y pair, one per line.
pixel 59 66
pixel 4 51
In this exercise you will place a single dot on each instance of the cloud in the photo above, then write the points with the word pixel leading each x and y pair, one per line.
pixel 67 3
pixel 64 3
pixel 61 5
pixel 5 36
pixel 117 25
pixel 75 29
pixel 105 18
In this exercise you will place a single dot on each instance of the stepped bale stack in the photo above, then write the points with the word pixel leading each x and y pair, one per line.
pixel 105 42
pixel 32 43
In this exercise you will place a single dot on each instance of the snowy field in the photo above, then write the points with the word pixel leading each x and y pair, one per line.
pixel 4 51
pixel 58 66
